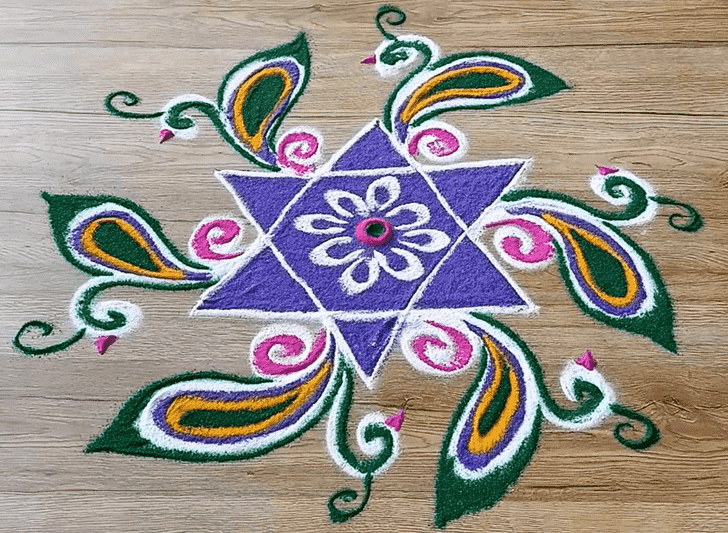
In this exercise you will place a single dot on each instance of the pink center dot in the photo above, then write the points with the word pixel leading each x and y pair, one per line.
pixel 374 231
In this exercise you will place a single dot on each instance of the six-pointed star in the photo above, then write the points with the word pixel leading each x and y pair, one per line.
pixel 297 268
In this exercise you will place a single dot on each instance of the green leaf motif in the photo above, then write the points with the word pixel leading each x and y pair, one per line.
pixel 257 94
pixel 104 235
pixel 252 101
pixel 494 431
pixel 472 80
pixel 544 83
pixel 122 436
pixel 608 275
pixel 657 323
pixel 456 496
pixel 210 416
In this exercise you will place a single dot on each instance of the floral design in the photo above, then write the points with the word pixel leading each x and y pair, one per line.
pixel 366 235
pixel 315 258
pixel 372 247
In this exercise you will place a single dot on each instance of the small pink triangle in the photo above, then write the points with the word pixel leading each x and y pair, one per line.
pixel 165 135
pixel 587 361
pixel 395 421
pixel 605 171
pixel 104 342
pixel 369 60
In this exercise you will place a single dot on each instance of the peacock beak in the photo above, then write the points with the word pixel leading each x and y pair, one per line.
pixel 395 421
pixel 165 135
pixel 369 60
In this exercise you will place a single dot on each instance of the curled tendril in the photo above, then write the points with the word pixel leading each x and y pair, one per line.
pixel 694 222
pixel 115 315
pixel 45 330
pixel 588 396
pixel 349 495
pixel 130 100
pixel 613 186
pixel 652 433
pixel 393 16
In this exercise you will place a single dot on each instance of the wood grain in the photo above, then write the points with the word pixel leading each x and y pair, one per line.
pixel 648 94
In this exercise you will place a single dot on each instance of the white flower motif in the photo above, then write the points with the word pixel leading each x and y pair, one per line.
pixel 363 226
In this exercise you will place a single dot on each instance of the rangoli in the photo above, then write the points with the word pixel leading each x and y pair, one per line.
pixel 385 244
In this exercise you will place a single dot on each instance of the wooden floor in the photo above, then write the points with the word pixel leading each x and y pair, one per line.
pixel 649 94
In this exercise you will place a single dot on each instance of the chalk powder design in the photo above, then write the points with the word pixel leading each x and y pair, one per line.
pixel 372 248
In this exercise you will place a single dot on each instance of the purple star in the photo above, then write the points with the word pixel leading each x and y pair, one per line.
pixel 372 238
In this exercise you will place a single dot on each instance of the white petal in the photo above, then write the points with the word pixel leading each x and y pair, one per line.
pixel 438 240
pixel 350 285
pixel 390 185
pixel 320 254
pixel 305 223
pixel 334 198
pixel 421 212
pixel 412 271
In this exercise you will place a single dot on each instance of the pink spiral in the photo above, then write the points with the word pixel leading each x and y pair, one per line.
pixel 445 143
pixel 297 150
pixel 293 347
pixel 461 356
pixel 542 249
pixel 225 231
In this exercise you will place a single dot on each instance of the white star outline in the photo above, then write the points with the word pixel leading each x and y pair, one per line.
pixel 326 317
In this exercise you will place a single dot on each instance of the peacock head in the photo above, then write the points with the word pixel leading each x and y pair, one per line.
pixel 393 56
pixel 174 122
pixel 396 53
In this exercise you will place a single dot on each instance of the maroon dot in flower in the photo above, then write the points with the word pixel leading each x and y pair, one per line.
pixel 374 231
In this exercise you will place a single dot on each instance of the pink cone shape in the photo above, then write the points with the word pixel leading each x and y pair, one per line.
pixel 605 171
pixel 395 421
pixel 587 361
pixel 165 135
pixel 369 60
pixel 104 343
